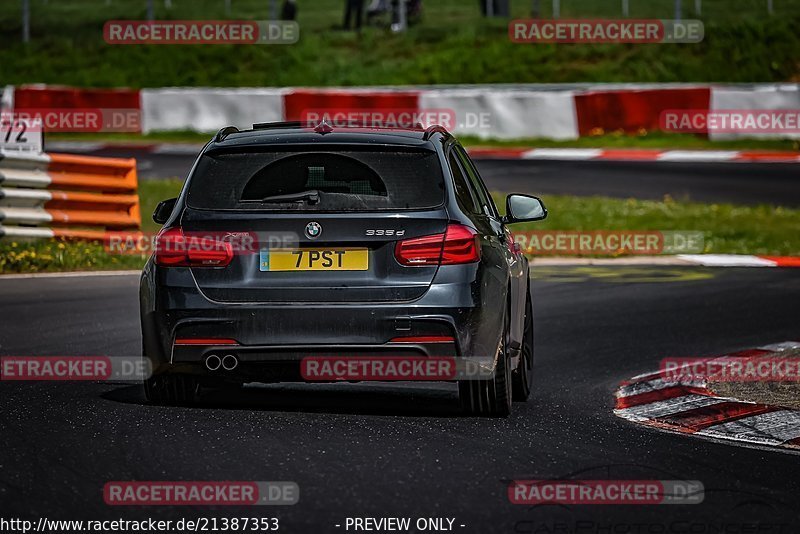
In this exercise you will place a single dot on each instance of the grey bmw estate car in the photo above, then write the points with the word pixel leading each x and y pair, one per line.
pixel 295 240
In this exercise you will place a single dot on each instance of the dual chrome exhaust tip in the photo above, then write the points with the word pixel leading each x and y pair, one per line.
pixel 229 362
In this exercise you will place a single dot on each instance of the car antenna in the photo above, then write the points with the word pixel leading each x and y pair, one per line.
pixel 323 128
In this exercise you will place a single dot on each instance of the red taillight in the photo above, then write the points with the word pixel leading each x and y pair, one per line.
pixel 174 249
pixel 459 244
pixel 426 250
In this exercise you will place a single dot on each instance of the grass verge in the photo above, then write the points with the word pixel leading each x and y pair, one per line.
pixel 451 44
pixel 728 228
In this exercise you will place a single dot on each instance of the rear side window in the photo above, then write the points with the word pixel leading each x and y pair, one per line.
pixel 484 199
pixel 463 194
pixel 318 181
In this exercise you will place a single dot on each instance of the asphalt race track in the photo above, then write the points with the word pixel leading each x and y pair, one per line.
pixel 382 450
pixel 739 183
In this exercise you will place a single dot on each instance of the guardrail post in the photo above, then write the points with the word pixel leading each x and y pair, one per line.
pixel 26 21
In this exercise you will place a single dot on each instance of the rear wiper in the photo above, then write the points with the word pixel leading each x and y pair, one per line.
pixel 311 196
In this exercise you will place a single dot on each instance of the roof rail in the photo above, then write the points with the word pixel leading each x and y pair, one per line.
pixel 224 132
pixel 335 124
pixel 436 128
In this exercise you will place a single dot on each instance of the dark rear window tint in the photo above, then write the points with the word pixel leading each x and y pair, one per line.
pixel 343 180
pixel 463 194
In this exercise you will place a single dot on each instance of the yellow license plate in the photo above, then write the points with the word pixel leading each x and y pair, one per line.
pixel 314 259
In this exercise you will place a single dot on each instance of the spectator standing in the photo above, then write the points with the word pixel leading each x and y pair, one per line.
pixel 289 10
pixel 353 8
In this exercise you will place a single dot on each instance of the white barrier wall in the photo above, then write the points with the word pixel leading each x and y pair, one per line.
pixel 487 112
pixel 757 97
pixel 509 114
pixel 208 109
pixel 7 98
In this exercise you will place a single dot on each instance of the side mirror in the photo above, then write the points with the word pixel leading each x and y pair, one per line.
pixel 164 210
pixel 523 208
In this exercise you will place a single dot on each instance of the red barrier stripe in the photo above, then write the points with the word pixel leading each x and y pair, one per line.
pixel 633 154
pixel 783 261
pixel 633 110
pixel 698 419
pixel 770 156
pixel 499 153
pixel 300 101
pixel 59 97
pixel 659 395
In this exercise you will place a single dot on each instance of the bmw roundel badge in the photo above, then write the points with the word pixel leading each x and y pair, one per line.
pixel 313 230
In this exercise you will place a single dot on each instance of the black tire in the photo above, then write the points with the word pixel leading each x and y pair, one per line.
pixel 171 389
pixel 491 397
pixel 522 377
pixel 500 386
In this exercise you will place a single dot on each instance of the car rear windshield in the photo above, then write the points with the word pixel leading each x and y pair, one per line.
pixel 318 180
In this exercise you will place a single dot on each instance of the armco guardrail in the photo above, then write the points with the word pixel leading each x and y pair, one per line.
pixel 60 195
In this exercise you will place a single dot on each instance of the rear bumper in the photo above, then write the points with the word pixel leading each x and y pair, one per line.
pixel 275 336
pixel 285 362
pixel 182 354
